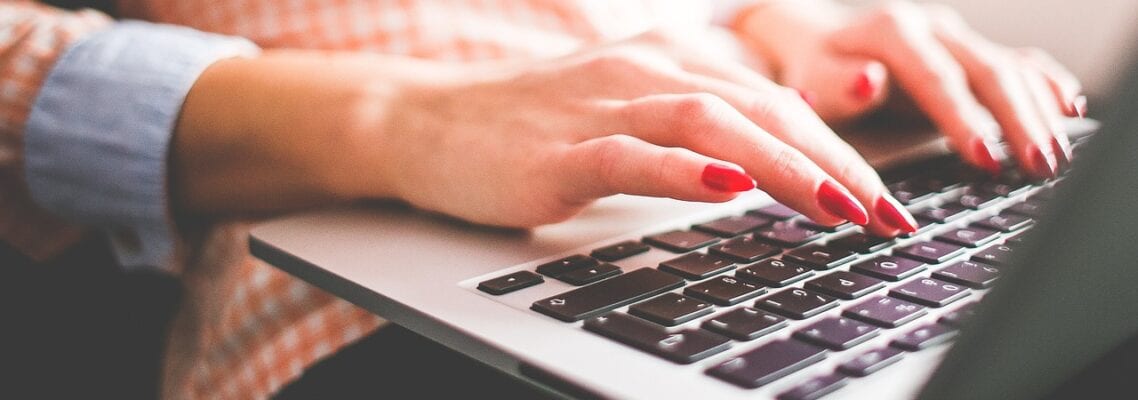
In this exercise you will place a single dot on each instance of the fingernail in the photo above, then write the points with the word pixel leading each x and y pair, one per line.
pixel 894 215
pixel 984 156
pixel 726 178
pixel 1062 150
pixel 1042 165
pixel 1080 106
pixel 864 87
pixel 808 97
pixel 868 82
pixel 840 203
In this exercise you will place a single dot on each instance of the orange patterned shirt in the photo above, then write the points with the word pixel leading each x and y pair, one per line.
pixel 245 329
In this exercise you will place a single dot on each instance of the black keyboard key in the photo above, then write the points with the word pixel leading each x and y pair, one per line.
pixel 1030 208
pixel 772 272
pixel 837 333
pixel 744 249
pixel 997 254
pixel 886 312
pixel 767 363
pixel 1006 222
pixel 607 295
pixel 797 303
pixel 889 268
pixel 681 241
pixel 696 266
pixel 585 276
pixel 925 337
pixel 810 224
pixel 969 236
pixel 969 273
pixel 923 225
pixel 509 283
pixel 557 268
pixel 1006 187
pixel 776 211
pixel 861 242
pixel 845 285
pixel 684 347
pixel 734 225
pixel 745 323
pixel 931 252
pixel 620 251
pixel 724 290
pixel 671 309
pixel 947 212
pixel 820 257
pixel 910 191
pixel 960 316
pixel 976 198
pixel 815 388
pixel 787 234
pixel 871 361
pixel 930 292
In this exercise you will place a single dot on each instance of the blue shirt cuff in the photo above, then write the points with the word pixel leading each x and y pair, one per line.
pixel 98 135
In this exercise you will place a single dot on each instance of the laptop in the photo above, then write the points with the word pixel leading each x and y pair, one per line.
pixel 1010 289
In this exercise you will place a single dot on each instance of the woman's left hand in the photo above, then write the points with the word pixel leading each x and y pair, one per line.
pixel 845 61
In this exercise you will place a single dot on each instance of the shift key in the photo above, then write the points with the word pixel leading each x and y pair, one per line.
pixel 607 295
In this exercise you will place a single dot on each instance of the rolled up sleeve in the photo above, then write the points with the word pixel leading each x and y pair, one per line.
pixel 98 136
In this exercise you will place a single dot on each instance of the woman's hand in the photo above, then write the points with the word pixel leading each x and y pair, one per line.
pixel 513 144
pixel 847 60
pixel 534 144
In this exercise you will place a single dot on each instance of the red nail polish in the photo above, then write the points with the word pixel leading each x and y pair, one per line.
pixel 808 97
pixel 840 203
pixel 1080 106
pixel 984 156
pixel 864 87
pixel 1042 166
pixel 726 178
pixel 1062 152
pixel 894 215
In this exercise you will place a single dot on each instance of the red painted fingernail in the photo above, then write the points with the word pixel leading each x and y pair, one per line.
pixel 1080 106
pixel 894 215
pixel 726 178
pixel 864 87
pixel 840 203
pixel 1042 166
pixel 808 97
pixel 869 82
pixel 1062 152
pixel 984 156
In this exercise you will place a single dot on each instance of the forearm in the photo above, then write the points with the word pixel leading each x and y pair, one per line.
pixel 288 130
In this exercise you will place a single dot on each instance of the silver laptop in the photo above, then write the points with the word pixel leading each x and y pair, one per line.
pixel 1008 290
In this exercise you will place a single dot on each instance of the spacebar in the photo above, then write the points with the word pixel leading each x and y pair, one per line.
pixel 607 295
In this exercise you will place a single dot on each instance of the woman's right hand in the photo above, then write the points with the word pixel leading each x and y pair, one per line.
pixel 512 144
pixel 654 115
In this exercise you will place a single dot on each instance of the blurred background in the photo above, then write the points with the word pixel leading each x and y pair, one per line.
pixel 1094 38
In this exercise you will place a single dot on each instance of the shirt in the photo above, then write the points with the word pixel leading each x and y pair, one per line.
pixel 246 329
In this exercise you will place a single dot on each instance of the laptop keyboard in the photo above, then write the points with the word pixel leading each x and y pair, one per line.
pixel 742 278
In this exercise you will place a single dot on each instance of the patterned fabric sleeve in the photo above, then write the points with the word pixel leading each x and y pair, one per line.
pixel 32 37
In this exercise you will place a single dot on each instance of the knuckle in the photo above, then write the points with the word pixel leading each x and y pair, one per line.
pixel 785 161
pixel 777 107
pixel 697 111
pixel 608 153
